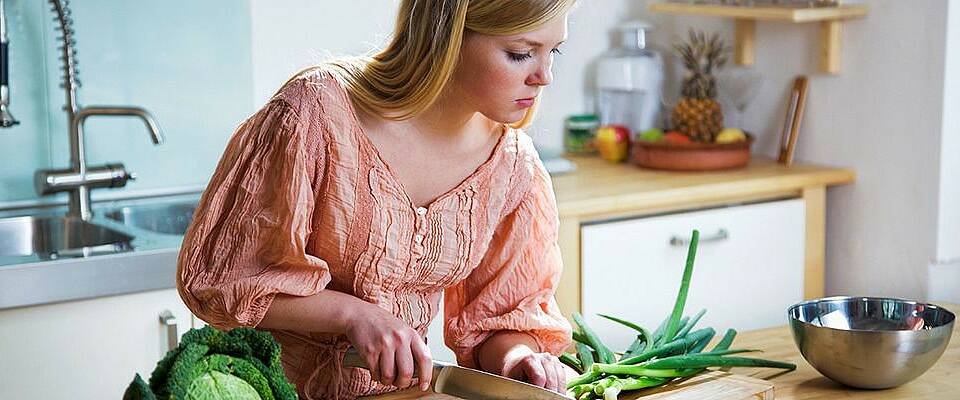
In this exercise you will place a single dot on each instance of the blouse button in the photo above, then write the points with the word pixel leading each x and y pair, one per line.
pixel 418 238
pixel 421 211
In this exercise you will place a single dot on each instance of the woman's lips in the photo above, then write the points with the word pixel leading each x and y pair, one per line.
pixel 525 103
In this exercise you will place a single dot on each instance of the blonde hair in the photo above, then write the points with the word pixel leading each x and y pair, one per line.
pixel 409 75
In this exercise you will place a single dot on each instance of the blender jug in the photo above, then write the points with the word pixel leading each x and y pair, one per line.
pixel 630 81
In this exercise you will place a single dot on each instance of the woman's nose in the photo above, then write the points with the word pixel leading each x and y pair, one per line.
pixel 542 76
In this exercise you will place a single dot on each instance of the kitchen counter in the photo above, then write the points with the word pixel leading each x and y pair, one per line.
pixel 805 383
pixel 939 382
pixel 149 262
pixel 599 190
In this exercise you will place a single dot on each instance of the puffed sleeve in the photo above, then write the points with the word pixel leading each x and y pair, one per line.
pixel 248 239
pixel 513 287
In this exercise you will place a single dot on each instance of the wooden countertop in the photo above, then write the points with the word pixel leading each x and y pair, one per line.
pixel 601 187
pixel 942 381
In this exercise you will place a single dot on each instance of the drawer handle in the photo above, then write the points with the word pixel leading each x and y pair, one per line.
pixel 721 234
pixel 168 320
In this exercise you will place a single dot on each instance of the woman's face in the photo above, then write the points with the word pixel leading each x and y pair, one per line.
pixel 500 76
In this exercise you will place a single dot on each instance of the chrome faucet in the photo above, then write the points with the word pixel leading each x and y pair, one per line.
pixel 80 178
pixel 6 119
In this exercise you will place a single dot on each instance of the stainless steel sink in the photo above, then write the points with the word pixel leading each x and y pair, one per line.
pixel 55 236
pixel 170 218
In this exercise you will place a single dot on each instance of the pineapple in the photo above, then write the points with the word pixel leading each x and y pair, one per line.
pixel 698 114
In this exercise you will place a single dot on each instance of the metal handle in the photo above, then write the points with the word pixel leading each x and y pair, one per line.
pixel 168 320
pixel 721 234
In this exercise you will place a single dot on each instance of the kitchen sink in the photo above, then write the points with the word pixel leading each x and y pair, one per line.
pixel 167 218
pixel 55 236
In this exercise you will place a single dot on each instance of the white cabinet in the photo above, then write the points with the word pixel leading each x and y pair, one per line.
pixel 438 349
pixel 87 349
pixel 749 268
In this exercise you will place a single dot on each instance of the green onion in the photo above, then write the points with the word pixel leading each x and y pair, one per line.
pixel 579 337
pixel 643 337
pixel 689 325
pixel 603 352
pixel 673 325
pixel 676 346
pixel 572 362
pixel 585 356
pixel 705 361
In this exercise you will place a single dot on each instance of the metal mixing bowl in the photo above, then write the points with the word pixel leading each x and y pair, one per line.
pixel 870 342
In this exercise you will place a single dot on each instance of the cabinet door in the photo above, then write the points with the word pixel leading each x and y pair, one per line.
pixel 438 349
pixel 748 270
pixel 85 349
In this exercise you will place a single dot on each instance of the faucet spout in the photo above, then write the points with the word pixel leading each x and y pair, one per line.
pixel 152 127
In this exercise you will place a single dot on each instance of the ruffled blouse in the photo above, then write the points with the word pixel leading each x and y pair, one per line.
pixel 302 202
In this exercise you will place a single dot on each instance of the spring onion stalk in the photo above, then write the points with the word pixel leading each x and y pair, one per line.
pixel 689 325
pixel 603 352
pixel 585 356
pixel 673 325
pixel 579 337
pixel 676 346
pixel 571 361
pixel 641 330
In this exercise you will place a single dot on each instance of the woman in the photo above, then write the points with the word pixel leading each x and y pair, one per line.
pixel 368 189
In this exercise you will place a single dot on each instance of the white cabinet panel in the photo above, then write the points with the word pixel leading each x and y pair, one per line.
pixel 85 349
pixel 438 349
pixel 630 268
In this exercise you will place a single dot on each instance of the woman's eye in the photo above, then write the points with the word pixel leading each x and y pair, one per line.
pixel 518 57
pixel 556 51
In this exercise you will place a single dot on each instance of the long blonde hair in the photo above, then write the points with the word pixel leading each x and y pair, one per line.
pixel 409 75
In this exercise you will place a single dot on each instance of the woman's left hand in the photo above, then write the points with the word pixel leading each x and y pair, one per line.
pixel 540 369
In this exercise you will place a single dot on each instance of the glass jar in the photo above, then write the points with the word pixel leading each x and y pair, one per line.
pixel 579 132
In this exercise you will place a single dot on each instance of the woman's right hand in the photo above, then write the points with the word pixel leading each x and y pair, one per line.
pixel 392 349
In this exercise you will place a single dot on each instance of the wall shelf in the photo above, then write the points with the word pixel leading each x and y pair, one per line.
pixel 746 17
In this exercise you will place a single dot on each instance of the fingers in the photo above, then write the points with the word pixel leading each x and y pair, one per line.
pixel 561 377
pixel 404 360
pixel 388 372
pixel 546 371
pixel 424 361
pixel 533 369
pixel 373 361
pixel 551 372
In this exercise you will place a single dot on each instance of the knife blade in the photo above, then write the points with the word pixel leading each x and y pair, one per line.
pixel 471 384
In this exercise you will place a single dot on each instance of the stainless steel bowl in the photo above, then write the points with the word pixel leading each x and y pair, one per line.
pixel 870 342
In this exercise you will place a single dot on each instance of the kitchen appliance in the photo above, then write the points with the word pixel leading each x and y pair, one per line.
pixel 870 342
pixel 467 383
pixel 630 81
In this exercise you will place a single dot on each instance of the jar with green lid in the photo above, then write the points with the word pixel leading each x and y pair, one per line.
pixel 579 132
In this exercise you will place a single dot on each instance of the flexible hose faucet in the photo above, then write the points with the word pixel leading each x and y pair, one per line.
pixel 6 119
pixel 79 179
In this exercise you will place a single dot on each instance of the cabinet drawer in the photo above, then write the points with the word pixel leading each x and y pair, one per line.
pixel 746 280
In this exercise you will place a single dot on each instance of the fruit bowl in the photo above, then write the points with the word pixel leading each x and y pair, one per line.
pixel 693 156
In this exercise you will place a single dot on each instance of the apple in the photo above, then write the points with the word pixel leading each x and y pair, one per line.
pixel 652 135
pixel 613 141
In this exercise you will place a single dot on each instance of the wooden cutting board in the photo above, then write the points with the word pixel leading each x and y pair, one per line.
pixel 714 385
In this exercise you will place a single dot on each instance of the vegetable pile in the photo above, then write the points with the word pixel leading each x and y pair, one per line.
pixel 209 364
pixel 673 351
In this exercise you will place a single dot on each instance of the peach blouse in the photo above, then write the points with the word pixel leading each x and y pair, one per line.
pixel 301 202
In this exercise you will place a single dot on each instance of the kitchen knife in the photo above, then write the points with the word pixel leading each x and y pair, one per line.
pixel 471 384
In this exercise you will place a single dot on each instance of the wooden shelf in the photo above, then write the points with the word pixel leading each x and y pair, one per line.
pixel 785 14
pixel 745 17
